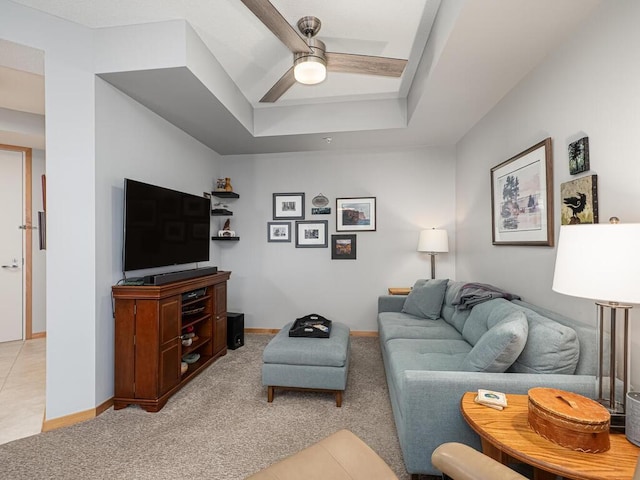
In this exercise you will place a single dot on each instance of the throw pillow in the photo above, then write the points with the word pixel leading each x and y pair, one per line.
pixel 425 298
pixel 500 346
pixel 551 347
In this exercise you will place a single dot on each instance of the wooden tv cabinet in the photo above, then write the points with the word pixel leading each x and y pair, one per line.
pixel 150 325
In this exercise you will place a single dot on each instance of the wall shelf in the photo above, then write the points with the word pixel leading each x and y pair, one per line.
pixel 221 212
pixel 224 194
pixel 228 239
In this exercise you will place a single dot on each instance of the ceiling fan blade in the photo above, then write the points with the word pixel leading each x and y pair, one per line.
pixel 280 87
pixel 348 63
pixel 274 21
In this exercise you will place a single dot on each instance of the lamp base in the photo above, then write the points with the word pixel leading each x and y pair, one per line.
pixel 618 422
pixel 618 417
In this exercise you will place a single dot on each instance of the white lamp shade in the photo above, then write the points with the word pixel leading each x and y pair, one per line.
pixel 433 240
pixel 599 261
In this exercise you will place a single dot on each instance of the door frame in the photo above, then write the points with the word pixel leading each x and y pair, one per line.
pixel 28 238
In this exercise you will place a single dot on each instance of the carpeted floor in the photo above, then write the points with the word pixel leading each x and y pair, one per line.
pixel 219 426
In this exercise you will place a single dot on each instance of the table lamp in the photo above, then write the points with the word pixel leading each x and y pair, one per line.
pixel 433 241
pixel 601 262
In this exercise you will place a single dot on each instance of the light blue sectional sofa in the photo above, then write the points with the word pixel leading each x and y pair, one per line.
pixel 434 351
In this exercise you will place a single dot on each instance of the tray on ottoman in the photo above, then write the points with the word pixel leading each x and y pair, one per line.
pixel 301 363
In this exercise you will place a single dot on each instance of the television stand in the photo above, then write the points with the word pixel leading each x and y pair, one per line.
pixel 164 278
pixel 165 336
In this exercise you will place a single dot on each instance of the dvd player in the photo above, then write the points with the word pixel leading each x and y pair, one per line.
pixel 192 295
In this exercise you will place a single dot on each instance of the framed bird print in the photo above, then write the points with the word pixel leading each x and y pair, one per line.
pixel 522 198
pixel 579 199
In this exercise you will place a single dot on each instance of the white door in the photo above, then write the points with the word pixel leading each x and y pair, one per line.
pixel 11 217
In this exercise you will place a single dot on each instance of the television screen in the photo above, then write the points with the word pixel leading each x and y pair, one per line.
pixel 163 227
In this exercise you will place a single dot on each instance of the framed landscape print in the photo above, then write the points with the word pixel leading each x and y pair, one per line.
pixel 579 156
pixel 288 206
pixel 579 201
pixel 310 234
pixel 278 231
pixel 522 198
pixel 343 247
pixel 356 214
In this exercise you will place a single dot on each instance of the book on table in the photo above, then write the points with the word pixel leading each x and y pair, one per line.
pixel 491 398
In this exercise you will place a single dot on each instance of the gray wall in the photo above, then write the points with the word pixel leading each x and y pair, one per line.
pixel 135 143
pixel 587 87
pixel 273 283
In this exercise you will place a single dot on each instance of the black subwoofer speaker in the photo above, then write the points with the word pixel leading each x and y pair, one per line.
pixel 235 330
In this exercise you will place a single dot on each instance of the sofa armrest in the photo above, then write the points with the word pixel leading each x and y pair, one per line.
pixel 430 403
pixel 391 303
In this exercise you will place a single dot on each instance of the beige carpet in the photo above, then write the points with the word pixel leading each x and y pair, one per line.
pixel 219 426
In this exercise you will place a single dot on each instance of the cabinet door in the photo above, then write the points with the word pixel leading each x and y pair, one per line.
pixel 220 298
pixel 220 332
pixel 219 317
pixel 169 352
pixel 169 374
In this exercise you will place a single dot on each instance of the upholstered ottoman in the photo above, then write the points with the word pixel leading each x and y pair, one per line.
pixel 298 363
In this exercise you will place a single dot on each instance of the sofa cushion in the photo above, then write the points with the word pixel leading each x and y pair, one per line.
pixel 435 355
pixel 484 316
pixel 402 325
pixel 450 313
pixel 551 347
pixel 499 347
pixel 425 299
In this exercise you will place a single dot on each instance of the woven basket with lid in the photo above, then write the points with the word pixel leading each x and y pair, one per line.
pixel 569 419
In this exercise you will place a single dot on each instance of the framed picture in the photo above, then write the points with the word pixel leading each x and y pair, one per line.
pixel 288 206
pixel 522 198
pixel 310 234
pixel 343 247
pixel 356 214
pixel 579 156
pixel 321 211
pixel 579 201
pixel 278 231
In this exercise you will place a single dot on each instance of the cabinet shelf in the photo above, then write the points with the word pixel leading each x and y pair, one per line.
pixel 188 303
pixel 195 367
pixel 195 321
pixel 196 345
pixel 224 194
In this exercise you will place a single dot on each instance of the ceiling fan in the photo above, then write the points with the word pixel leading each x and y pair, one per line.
pixel 310 58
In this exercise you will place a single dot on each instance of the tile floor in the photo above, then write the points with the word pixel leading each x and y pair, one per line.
pixel 22 388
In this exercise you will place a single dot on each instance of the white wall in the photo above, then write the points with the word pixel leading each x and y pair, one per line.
pixel 133 142
pixel 273 283
pixel 70 269
pixel 587 87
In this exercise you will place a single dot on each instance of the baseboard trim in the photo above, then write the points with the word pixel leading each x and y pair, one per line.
pixel 363 333
pixel 273 331
pixel 78 417
pixel 262 331
pixel 38 335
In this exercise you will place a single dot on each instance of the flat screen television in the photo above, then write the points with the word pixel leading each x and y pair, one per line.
pixel 163 227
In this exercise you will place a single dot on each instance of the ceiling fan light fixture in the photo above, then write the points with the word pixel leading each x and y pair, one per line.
pixel 310 68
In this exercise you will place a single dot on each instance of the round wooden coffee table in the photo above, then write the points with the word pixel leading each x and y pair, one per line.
pixel 506 435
